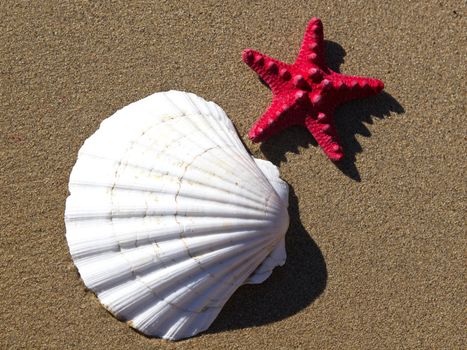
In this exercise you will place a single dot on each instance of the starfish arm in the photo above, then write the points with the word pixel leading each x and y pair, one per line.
pixel 324 131
pixel 279 116
pixel 348 87
pixel 274 72
pixel 312 49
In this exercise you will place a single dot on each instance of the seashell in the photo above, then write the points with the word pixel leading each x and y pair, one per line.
pixel 168 214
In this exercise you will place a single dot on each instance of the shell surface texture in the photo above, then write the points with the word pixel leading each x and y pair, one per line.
pixel 168 214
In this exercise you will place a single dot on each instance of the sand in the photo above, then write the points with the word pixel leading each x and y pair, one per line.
pixel 376 247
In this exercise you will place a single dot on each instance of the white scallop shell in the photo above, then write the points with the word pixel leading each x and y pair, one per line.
pixel 168 214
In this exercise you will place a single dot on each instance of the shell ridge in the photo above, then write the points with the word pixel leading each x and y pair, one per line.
pixel 275 258
pixel 111 194
pixel 182 235
pixel 210 312
pixel 242 154
pixel 226 274
pixel 231 138
pixel 208 184
pixel 130 214
pixel 229 132
pixel 272 174
pixel 205 229
pixel 204 107
pixel 125 187
pixel 189 106
pixel 184 267
pixel 203 302
pixel 128 162
pixel 244 165
pixel 188 195
pixel 94 265
pixel 168 96
pixel 187 99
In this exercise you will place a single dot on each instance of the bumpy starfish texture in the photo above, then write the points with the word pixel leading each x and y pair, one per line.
pixel 306 92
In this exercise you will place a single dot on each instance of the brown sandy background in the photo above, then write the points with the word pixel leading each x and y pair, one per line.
pixel 376 249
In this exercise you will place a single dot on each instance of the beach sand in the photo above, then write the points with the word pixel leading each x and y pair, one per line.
pixel 376 247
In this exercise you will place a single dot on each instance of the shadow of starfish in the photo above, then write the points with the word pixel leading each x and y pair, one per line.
pixel 288 290
pixel 350 119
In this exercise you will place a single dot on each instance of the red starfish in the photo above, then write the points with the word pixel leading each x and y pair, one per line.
pixel 306 92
